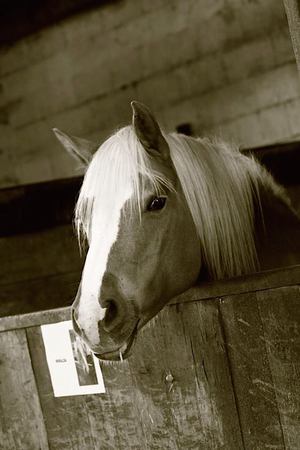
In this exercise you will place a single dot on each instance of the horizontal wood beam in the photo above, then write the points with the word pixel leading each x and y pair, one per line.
pixel 270 279
pixel 35 207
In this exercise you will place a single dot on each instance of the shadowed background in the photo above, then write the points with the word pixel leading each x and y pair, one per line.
pixel 224 67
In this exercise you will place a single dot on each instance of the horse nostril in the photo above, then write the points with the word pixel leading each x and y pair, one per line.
pixel 111 312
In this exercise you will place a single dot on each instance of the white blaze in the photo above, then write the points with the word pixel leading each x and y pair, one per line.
pixel 105 228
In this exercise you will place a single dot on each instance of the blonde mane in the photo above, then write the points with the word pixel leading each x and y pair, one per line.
pixel 219 184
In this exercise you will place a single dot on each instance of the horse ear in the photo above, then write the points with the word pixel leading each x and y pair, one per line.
pixel 80 149
pixel 148 131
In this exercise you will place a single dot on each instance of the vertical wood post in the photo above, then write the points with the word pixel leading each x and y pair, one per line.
pixel 292 8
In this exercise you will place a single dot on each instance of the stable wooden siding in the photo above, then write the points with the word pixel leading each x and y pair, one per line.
pixel 232 347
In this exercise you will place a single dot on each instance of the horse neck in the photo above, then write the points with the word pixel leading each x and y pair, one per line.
pixel 277 229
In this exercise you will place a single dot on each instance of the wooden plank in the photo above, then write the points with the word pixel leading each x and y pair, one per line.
pixel 292 9
pixel 23 257
pixel 53 291
pixel 235 286
pixel 21 420
pixel 209 399
pixel 285 276
pixel 149 366
pixel 66 418
pixel 34 319
pixel 245 339
pixel 54 200
pixel 280 312
pixel 85 422
pixel 113 416
pixel 32 279
pixel 198 410
pixel 138 409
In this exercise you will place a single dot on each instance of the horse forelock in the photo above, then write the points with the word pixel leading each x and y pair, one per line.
pixel 120 165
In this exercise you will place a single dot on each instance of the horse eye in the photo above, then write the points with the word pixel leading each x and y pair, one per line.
pixel 156 203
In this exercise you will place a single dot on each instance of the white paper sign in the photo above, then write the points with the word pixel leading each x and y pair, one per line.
pixel 71 374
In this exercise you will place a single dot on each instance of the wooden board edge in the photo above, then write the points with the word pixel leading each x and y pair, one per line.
pixel 35 319
pixel 287 276
pixel 270 279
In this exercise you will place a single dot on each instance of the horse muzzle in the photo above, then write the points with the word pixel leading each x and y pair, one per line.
pixel 119 353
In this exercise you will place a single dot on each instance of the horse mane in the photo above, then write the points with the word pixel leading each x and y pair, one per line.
pixel 220 184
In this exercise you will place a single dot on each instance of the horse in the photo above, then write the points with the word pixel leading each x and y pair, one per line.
pixel 159 213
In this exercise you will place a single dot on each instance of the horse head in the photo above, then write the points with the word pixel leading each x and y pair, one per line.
pixel 143 246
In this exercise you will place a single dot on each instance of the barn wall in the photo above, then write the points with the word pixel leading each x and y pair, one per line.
pixel 226 67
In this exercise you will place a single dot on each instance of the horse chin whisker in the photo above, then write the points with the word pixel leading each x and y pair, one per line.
pixel 121 353
pixel 81 352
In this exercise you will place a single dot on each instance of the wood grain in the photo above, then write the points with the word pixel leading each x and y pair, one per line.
pixel 235 286
pixel 259 414
pixel 119 424
pixel 65 418
pixel 53 291
pixel 191 412
pixel 218 373
pixel 263 337
pixel 21 419
pixel 34 319
pixel 281 327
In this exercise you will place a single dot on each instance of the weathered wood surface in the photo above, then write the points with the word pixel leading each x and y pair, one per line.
pixel 234 358
pixel 140 409
pixel 262 332
pixel 235 286
pixel 21 419
pixel 52 291
pixel 282 337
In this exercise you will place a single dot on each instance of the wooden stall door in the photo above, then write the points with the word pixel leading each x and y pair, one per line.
pixel 232 349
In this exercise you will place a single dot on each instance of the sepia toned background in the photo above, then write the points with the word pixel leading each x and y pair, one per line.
pixel 224 67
